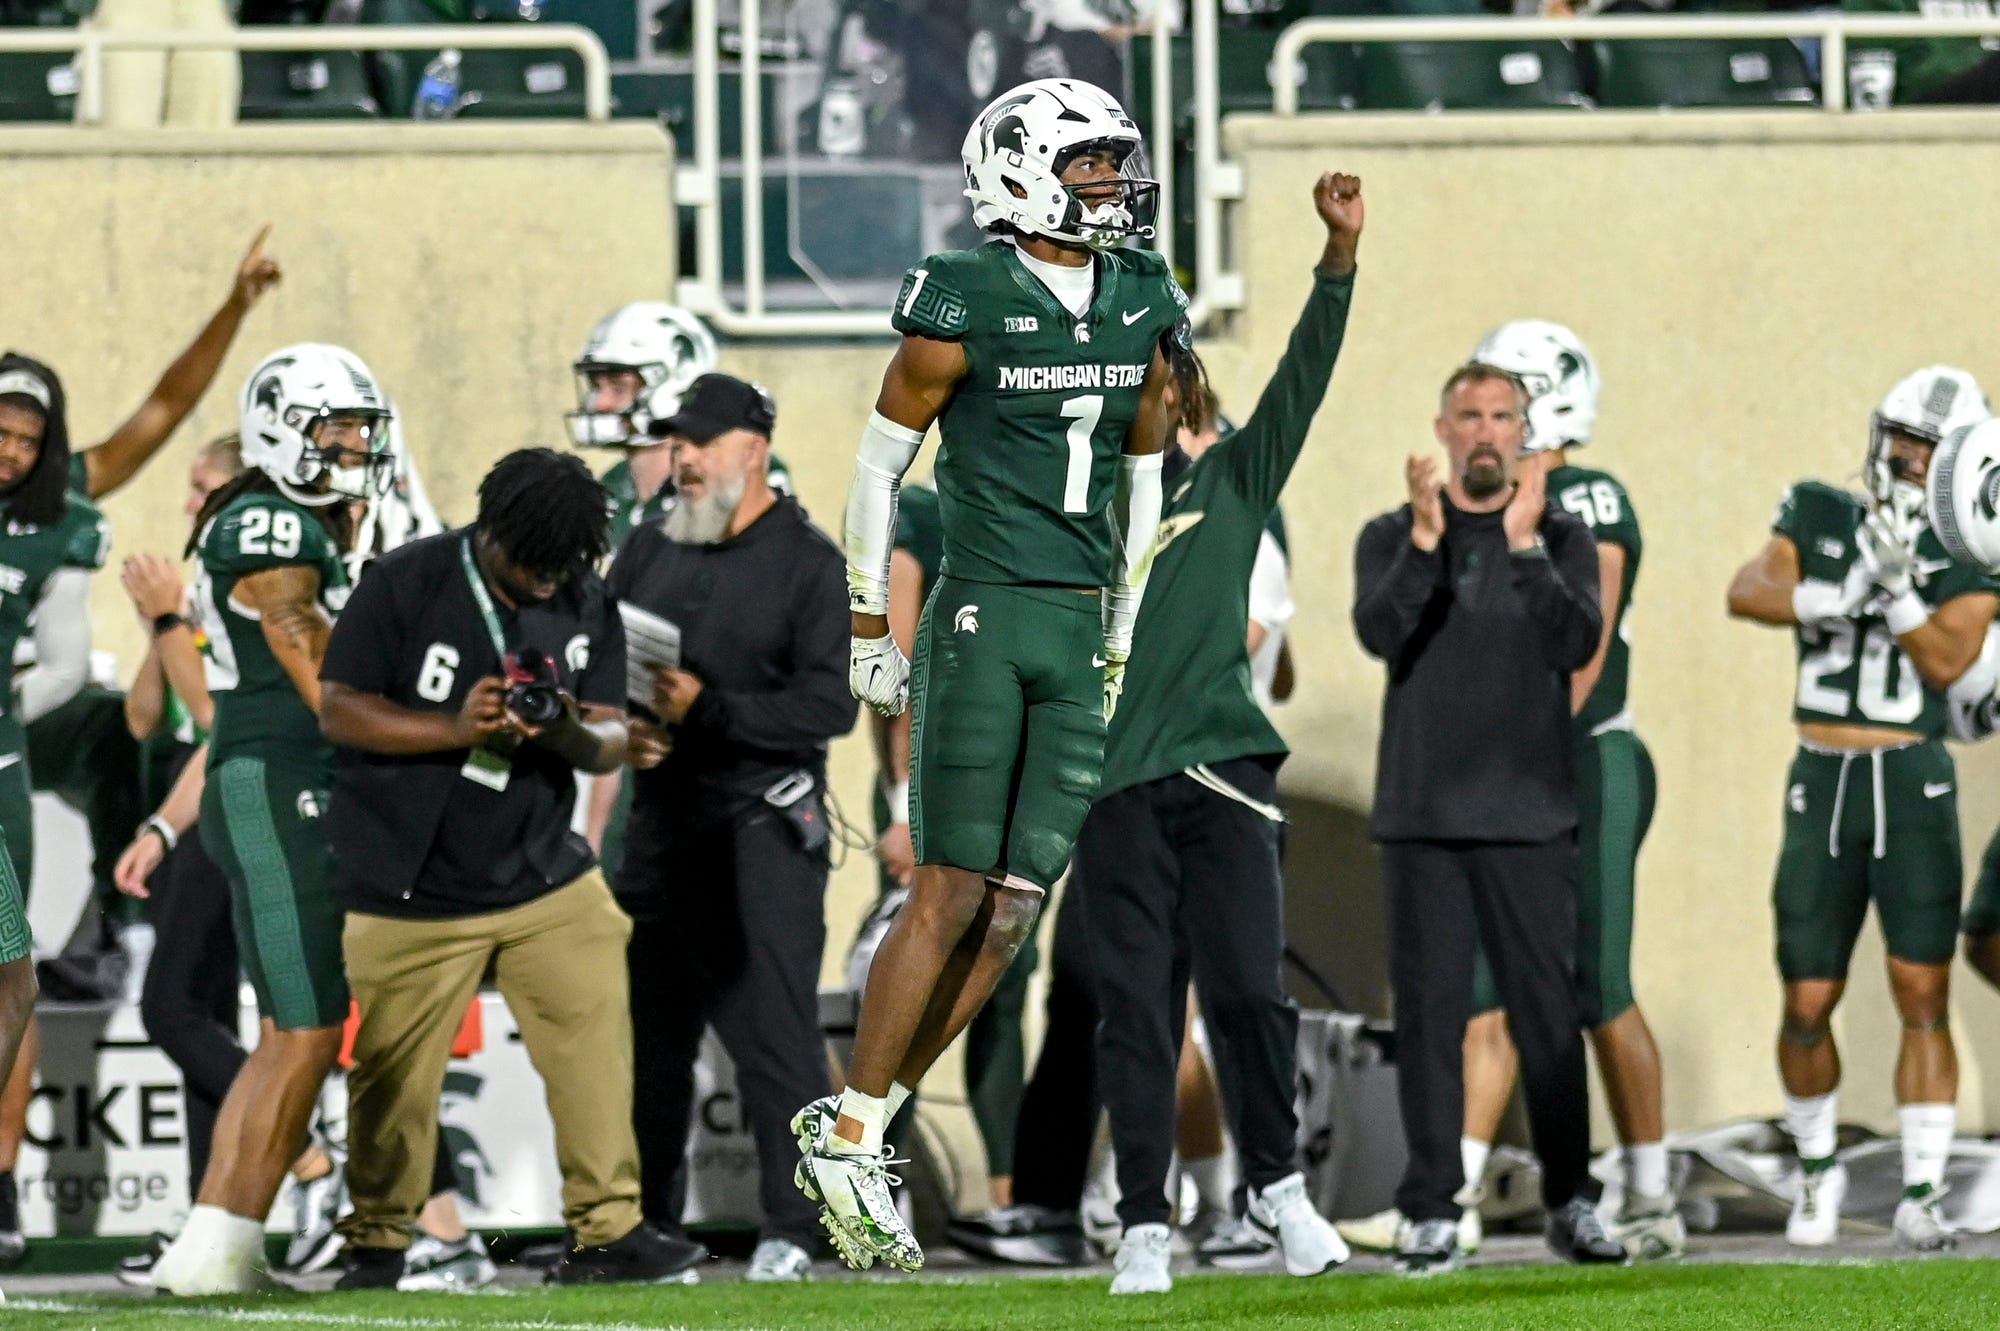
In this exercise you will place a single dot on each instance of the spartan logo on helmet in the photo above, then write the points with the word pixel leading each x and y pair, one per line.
pixel 1986 500
pixel 269 392
pixel 1016 152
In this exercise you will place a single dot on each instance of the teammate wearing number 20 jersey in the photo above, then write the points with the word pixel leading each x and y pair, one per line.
pixel 1042 356
pixel 1885 621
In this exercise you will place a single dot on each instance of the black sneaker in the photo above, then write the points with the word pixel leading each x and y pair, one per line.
pixel 1429 1247
pixel 646 1256
pixel 13 1243
pixel 370 1268
pixel 1576 1233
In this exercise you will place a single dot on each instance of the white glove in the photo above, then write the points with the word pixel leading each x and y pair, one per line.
pixel 1817 601
pixel 1114 681
pixel 878 674
pixel 1891 560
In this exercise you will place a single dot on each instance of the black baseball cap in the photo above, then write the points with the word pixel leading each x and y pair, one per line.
pixel 716 403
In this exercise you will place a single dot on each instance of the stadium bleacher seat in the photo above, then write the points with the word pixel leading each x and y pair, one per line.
pixel 1702 73
pixel 306 85
pixel 521 84
pixel 37 86
pixel 1449 76
pixel 670 96
pixel 1327 76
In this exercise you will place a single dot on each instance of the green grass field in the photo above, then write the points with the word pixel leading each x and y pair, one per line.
pixel 1924 1296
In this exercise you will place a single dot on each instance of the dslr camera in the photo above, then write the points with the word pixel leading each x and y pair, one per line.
pixel 532 691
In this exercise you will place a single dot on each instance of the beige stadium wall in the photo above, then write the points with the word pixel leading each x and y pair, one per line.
pixel 1750 285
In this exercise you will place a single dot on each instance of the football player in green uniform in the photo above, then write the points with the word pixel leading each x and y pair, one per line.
pixel 1043 356
pixel 1885 621
pixel 1615 789
pixel 269 580
pixel 52 542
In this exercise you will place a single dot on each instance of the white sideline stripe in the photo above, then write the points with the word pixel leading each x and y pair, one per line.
pixel 282 1317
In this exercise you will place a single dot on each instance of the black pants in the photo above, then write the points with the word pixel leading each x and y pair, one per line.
pixel 1181 879
pixel 1519 902
pixel 190 1001
pixel 733 940
pixel 1059 1107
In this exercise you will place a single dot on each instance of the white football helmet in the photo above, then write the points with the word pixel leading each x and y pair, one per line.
pixel 1016 151
pixel 1931 404
pixel 1962 492
pixel 665 345
pixel 286 404
pixel 1560 374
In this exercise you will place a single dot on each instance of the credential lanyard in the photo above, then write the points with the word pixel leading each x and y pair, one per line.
pixel 483 597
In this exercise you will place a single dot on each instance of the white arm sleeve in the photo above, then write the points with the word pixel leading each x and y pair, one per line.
pixel 62 646
pixel 1975 713
pixel 1270 587
pixel 887 450
pixel 1135 531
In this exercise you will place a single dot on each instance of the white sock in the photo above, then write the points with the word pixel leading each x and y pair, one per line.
pixel 867 1110
pixel 1811 1120
pixel 1646 1169
pixel 899 1095
pixel 1927 1134
pixel 211 1231
pixel 1472 1153
pixel 1214 1181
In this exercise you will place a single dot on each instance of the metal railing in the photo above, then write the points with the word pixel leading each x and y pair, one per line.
pixel 90 43
pixel 1835 31
pixel 700 186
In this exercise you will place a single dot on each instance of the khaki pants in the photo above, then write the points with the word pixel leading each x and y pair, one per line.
pixel 560 963
pixel 195 88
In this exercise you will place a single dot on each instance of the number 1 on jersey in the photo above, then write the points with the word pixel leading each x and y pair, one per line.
pixel 1083 413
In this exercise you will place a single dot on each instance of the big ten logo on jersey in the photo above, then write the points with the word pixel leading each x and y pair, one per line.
pixel 1596 502
pixel 1023 323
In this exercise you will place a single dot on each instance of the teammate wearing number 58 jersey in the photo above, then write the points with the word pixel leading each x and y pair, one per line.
pixel 1885 621
pixel 1043 358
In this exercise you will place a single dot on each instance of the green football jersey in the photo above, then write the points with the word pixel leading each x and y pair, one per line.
pixel 30 555
pixel 1029 443
pixel 258 709
pixel 1852 671
pixel 1598 498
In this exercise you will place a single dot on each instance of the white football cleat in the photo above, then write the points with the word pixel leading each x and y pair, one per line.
pixel 1815 1219
pixel 814 1124
pixel 860 1213
pixel 1310 1245
pixel 1920 1222
pixel 1141 1264
pixel 1650 1228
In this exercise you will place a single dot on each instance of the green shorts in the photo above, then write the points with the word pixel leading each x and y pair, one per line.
pixel 1982 913
pixel 260 821
pixel 16 941
pixel 17 804
pixel 1862 825
pixel 1615 790
pixel 1007 733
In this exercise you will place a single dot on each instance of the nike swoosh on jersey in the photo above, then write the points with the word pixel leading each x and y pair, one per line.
pixel 1098 662
pixel 1933 789
pixel 1134 316
pixel 8 760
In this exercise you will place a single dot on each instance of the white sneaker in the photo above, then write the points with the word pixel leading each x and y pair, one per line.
pixel 1382 1232
pixel 778 1260
pixel 1141 1264
pixel 211 1272
pixel 860 1213
pixel 1311 1245
pixel 1650 1228
pixel 433 1264
pixel 316 1206
pixel 1221 1239
pixel 1815 1220
pixel 1920 1222
pixel 1470 1229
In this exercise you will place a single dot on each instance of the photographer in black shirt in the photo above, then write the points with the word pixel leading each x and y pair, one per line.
pixel 725 861
pixel 469 678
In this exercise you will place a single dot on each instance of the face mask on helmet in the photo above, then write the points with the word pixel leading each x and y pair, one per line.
pixel 1559 375
pixel 349 452
pixel 1017 152
pixel 1921 411
pixel 1116 198
pixel 611 404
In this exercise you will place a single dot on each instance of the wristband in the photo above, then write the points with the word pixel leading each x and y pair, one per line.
pixel 158 827
pixel 899 802
pixel 1906 613
pixel 169 621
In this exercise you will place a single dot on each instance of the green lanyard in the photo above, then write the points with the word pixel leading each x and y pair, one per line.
pixel 483 597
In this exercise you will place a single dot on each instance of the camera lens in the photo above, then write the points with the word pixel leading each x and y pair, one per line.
pixel 537 704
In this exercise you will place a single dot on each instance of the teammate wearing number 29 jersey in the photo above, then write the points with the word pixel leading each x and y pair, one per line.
pixel 1043 358
pixel 1885 621
pixel 314 429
